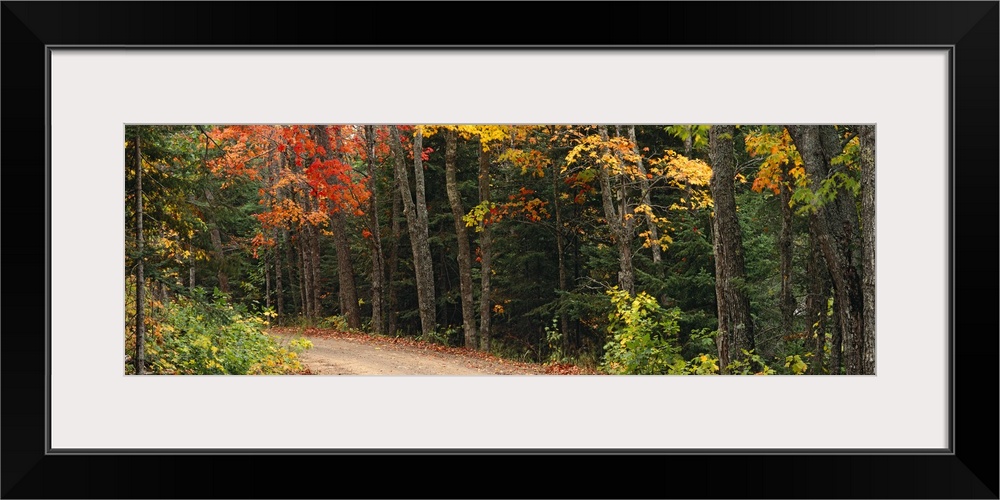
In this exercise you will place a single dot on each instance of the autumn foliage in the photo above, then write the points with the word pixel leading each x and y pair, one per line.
pixel 312 222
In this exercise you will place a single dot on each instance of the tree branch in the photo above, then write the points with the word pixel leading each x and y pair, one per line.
pixel 202 130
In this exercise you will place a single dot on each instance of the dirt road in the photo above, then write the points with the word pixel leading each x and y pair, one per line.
pixel 337 353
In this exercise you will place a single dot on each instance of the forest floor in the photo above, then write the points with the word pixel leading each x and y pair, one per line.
pixel 342 353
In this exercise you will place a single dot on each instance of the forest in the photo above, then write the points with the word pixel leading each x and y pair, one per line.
pixel 618 249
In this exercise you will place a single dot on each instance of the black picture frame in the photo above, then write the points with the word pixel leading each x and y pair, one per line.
pixel 969 470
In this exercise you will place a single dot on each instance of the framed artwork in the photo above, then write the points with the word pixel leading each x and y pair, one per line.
pixel 924 74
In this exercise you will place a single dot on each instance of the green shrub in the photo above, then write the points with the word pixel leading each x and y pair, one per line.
pixel 300 344
pixel 701 341
pixel 702 364
pixel 554 338
pixel 750 364
pixel 643 336
pixel 197 337
pixel 798 358
pixel 795 364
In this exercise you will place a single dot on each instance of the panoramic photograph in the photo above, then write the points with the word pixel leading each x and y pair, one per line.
pixel 472 249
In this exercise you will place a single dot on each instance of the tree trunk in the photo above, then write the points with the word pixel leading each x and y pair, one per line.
pixel 416 224
pixel 345 271
pixel 140 277
pixel 837 343
pixel 305 276
pixel 396 233
pixel 428 310
pixel 816 299
pixel 867 138
pixel 267 283
pixel 299 240
pixel 291 268
pixel 787 301
pixel 160 293
pixel 838 230
pixel 464 253
pixel 560 253
pixel 275 173
pixel 626 273
pixel 443 280
pixel 689 141
pixel 627 221
pixel 485 255
pixel 279 291
pixel 620 228
pixel 307 242
pixel 735 323
pixel 317 281
pixel 347 292
pixel 654 235
pixel 220 254
pixel 577 324
pixel 375 240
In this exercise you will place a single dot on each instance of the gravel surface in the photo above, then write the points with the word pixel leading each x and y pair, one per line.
pixel 338 353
